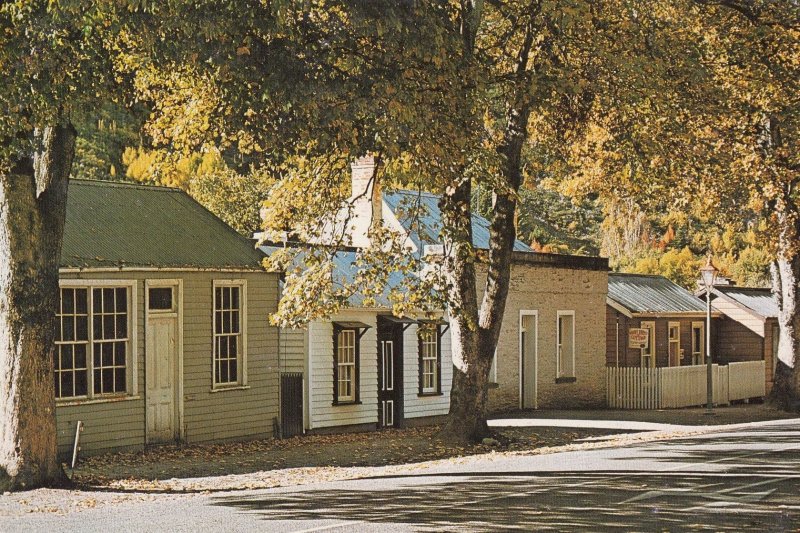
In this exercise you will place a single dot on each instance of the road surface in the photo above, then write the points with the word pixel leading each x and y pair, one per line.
pixel 743 479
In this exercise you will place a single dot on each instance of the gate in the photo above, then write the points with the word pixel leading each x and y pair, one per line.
pixel 291 404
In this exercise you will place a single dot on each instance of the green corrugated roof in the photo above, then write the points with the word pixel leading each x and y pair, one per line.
pixel 114 224
pixel 643 293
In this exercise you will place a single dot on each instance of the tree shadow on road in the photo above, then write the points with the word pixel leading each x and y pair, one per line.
pixel 575 501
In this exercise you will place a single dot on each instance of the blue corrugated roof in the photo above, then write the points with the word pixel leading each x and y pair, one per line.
pixel 642 293
pixel 419 214
pixel 345 271
pixel 759 300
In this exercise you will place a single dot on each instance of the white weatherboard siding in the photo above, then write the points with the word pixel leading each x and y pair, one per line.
pixel 320 379
pixel 750 321
pixel 416 406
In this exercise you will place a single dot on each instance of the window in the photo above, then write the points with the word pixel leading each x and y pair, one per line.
pixel 160 299
pixel 649 351
pixel 565 347
pixel 229 333
pixel 429 358
pixel 674 343
pixel 94 347
pixel 698 343
pixel 346 350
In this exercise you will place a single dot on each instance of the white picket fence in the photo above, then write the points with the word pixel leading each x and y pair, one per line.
pixel 683 386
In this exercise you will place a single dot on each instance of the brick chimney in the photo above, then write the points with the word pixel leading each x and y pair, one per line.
pixel 366 197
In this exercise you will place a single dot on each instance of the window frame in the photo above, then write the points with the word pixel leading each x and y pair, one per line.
pixel 649 325
pixel 699 325
pixel 241 356
pixel 132 351
pixel 676 341
pixel 436 330
pixel 560 376
pixel 355 399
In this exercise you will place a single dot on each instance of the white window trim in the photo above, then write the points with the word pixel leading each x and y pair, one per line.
pixel 559 314
pixel 670 342
pixel 435 359
pixel 133 379
pixel 352 397
pixel 651 325
pixel 702 327
pixel 243 317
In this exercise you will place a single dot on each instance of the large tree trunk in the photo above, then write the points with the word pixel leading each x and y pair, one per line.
pixel 785 279
pixel 32 211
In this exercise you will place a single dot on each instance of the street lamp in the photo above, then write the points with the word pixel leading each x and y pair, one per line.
pixel 709 275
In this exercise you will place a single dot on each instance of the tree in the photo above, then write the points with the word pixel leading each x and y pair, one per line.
pixel 54 62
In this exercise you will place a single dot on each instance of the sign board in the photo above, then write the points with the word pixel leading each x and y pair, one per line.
pixel 638 338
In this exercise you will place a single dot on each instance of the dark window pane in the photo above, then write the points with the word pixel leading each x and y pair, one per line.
pixel 81 328
pixel 67 328
pixel 108 380
pixel 81 388
pixel 216 372
pixel 108 301
pixel 226 322
pixel 122 300
pixel 234 346
pixel 234 370
pixel 226 298
pixel 234 321
pixel 119 353
pixel 223 347
pixel 119 380
pixel 57 380
pixel 122 326
pixel 160 298
pixel 108 327
pixel 97 326
pixel 235 297
pixel 80 356
pixel 66 357
pixel 67 388
pixel 67 301
pixel 217 322
pixel 80 301
pixel 108 354
pixel 218 298
pixel 223 376
pixel 97 300
pixel 96 352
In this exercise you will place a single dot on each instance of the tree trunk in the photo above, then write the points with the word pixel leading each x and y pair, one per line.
pixel 786 385
pixel 32 212
pixel 467 419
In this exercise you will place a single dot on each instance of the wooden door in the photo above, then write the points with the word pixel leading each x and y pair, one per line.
pixel 161 363
pixel 390 380
pixel 528 346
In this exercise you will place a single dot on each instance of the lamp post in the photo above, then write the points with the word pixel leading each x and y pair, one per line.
pixel 709 275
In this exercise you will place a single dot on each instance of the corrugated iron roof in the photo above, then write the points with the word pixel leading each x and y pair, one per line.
pixel 344 274
pixel 642 293
pixel 419 214
pixel 759 300
pixel 115 224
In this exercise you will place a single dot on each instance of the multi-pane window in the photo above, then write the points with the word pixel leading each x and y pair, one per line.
pixel 674 344
pixel 228 335
pixel 71 370
pixel 346 341
pixel 92 361
pixel 698 343
pixel 649 350
pixel 565 345
pixel 429 359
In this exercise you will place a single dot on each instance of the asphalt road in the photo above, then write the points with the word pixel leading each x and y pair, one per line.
pixel 747 479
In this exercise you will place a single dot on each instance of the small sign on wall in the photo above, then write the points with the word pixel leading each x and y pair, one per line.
pixel 638 338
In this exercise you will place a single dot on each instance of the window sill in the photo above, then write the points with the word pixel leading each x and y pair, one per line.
pixel 424 394
pixel 341 404
pixel 90 401
pixel 232 387
pixel 566 379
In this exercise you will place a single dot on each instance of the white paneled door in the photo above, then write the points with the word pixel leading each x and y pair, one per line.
pixel 161 355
